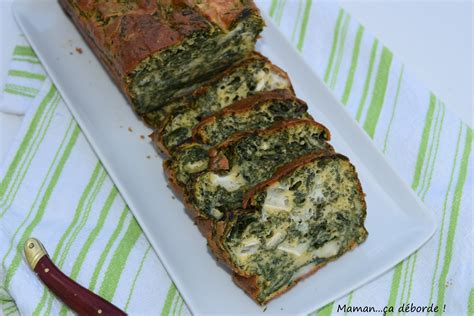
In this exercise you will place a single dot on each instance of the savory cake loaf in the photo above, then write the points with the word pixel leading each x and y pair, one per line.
pixel 256 112
pixel 159 50
pixel 222 89
pixel 239 163
pixel 254 75
pixel 309 213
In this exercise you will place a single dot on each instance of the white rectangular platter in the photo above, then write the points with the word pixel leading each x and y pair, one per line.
pixel 397 222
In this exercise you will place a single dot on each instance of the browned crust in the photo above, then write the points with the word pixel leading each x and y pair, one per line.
pixel 157 139
pixel 173 182
pixel 204 224
pixel 244 105
pixel 204 86
pixel 249 284
pixel 214 152
pixel 136 30
pixel 222 12
pixel 255 55
pixel 288 168
pixel 158 133
pixel 80 25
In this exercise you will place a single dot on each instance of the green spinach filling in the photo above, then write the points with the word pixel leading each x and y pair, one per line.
pixel 251 160
pixel 309 216
pixel 177 70
pixel 189 159
pixel 242 82
pixel 258 117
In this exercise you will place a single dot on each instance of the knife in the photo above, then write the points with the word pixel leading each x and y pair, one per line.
pixel 75 296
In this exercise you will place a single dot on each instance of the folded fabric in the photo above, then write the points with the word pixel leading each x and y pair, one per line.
pixel 53 187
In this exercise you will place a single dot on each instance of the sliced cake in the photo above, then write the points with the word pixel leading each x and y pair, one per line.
pixel 245 160
pixel 309 213
pixel 254 75
pixel 256 112
pixel 157 51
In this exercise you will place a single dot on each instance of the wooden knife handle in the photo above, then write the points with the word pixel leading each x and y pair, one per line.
pixel 78 298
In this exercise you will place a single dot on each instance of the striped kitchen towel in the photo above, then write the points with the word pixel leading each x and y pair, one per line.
pixel 53 187
pixel 94 238
pixel 25 77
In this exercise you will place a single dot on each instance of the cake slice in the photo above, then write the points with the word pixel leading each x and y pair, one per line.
pixel 256 112
pixel 245 160
pixel 252 76
pixel 160 50
pixel 309 213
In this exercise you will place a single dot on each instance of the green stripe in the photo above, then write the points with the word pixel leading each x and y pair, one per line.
pixel 18 88
pixel 304 24
pixel 334 45
pixel 415 183
pixel 454 217
pixel 94 233
pixel 368 77
pixel 15 92
pixel 406 263
pixel 470 303
pixel 273 8
pixel 26 74
pixel 134 283
pixel 28 60
pixel 107 248
pixel 9 309
pixel 15 312
pixel 280 11
pixel 181 307
pixel 439 129
pixel 169 300
pixel 395 103
pixel 19 180
pixel 427 179
pixel 407 300
pixel 349 301
pixel 427 165
pixel 46 294
pixel 119 259
pixel 92 236
pixel 37 198
pixel 28 148
pixel 85 216
pixel 44 201
pixel 378 97
pixel 397 275
pixel 353 67
pixel 297 20
pixel 326 310
pixel 410 265
pixel 24 51
pixel 80 206
pixel 424 142
pixel 177 302
pixel 443 217
pixel 340 51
